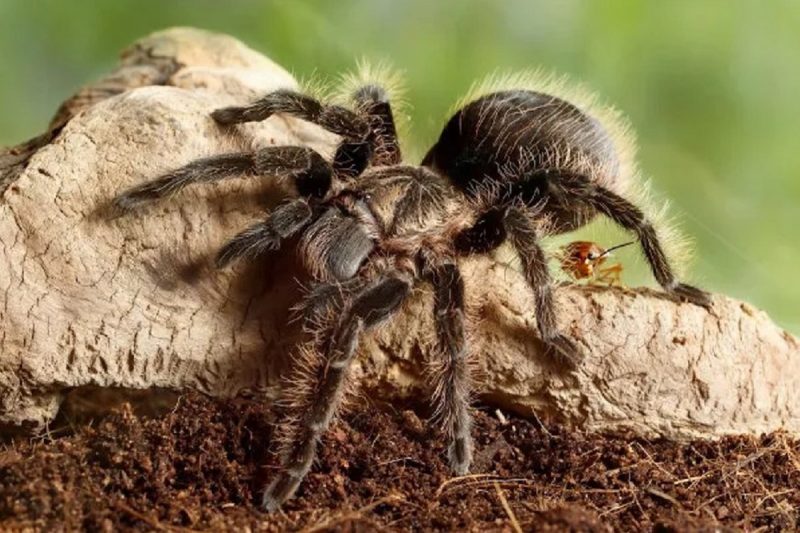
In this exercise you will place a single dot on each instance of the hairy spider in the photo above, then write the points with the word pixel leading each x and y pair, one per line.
pixel 513 164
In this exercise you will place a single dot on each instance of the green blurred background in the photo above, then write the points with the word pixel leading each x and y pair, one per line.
pixel 712 87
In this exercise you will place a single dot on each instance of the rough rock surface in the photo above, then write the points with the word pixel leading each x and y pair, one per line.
pixel 90 298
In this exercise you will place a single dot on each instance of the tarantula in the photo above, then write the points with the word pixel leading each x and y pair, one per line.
pixel 513 164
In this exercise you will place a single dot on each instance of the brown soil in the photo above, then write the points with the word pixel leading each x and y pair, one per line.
pixel 197 468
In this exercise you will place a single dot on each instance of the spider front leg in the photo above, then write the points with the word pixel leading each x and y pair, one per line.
pixel 335 119
pixel 312 174
pixel 452 387
pixel 368 308
pixel 580 188
pixel 356 147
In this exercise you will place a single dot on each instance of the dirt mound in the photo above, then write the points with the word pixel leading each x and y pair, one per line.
pixel 199 466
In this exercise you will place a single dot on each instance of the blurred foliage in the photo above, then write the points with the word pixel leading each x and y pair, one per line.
pixel 712 88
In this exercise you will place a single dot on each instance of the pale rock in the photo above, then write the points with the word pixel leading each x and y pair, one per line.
pixel 91 298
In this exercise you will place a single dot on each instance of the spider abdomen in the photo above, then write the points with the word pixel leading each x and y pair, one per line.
pixel 509 143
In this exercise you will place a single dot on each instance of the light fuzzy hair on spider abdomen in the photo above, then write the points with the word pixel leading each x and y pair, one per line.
pixel 613 122
pixel 623 178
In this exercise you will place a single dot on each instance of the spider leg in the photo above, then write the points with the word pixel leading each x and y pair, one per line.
pixel 518 225
pixel 333 118
pixel 323 301
pixel 280 224
pixel 633 219
pixel 452 387
pixel 371 306
pixel 354 151
pixel 521 228
pixel 312 174
pixel 372 102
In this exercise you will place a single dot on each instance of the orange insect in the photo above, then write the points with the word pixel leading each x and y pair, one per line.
pixel 583 260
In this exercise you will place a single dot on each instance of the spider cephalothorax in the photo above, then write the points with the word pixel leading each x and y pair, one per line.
pixel 512 165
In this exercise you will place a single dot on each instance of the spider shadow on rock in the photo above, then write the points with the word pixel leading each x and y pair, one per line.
pixel 254 300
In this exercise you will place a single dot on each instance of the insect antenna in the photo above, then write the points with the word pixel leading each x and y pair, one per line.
pixel 616 247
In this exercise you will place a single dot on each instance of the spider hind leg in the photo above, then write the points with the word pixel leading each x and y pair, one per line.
pixel 575 188
pixel 524 236
pixel 518 225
